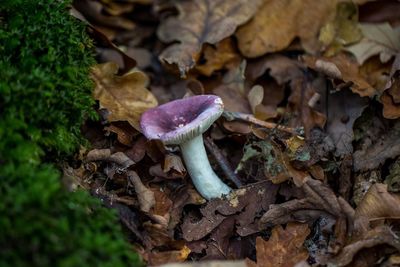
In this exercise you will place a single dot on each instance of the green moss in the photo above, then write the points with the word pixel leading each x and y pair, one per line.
pixel 45 94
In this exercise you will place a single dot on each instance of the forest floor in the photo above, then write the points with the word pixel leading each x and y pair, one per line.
pixel 309 140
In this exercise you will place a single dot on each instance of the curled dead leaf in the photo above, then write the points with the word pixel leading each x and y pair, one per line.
pixel 379 203
pixel 145 196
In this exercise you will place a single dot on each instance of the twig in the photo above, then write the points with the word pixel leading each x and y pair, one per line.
pixel 230 116
pixel 223 163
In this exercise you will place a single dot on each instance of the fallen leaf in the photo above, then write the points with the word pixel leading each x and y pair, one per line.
pixel 244 205
pixel 163 257
pixel 343 68
pixel 380 11
pixel 343 30
pixel 303 111
pixel 125 133
pixel 173 163
pixel 281 68
pixel 284 248
pixel 343 109
pixel 145 196
pixel 255 98
pixel 216 263
pixel 232 93
pixel 387 146
pixel 125 97
pixel 378 203
pixel 219 57
pixel 320 200
pixel 392 180
pixel 119 158
pixel 391 96
pixel 378 236
pixel 270 30
pixel 219 241
pixel 199 22
pixel 93 10
pixel 379 39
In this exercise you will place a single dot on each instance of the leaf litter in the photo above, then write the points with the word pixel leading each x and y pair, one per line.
pixel 309 139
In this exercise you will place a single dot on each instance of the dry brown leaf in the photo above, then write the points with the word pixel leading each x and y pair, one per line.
pixel 232 93
pixel 93 10
pixel 213 263
pixel 381 235
pixel 223 55
pixel 320 201
pixel 385 146
pixel 344 107
pixel 255 98
pixel 281 68
pixel 173 164
pixel 119 158
pixel 391 96
pixel 302 106
pixel 125 97
pixel 199 22
pixel 125 133
pixel 244 205
pixel 278 22
pixel 342 67
pixel 284 248
pixel 379 203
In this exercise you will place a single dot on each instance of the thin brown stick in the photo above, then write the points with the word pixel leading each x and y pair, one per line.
pixel 222 161
pixel 230 116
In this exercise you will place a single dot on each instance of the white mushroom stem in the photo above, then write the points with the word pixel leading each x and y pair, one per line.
pixel 207 183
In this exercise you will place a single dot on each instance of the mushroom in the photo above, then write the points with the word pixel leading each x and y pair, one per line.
pixel 182 122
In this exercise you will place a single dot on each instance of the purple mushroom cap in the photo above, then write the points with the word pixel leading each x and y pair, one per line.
pixel 181 120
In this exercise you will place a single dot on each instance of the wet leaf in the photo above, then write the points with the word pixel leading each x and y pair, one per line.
pixel 379 39
pixel 284 247
pixel 125 97
pixel 199 22
pixel 270 30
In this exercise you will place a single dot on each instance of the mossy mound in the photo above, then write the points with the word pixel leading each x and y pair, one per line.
pixel 45 94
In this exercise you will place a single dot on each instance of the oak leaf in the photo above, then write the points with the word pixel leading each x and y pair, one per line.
pixel 223 55
pixel 379 39
pixel 199 22
pixel 343 68
pixel 279 22
pixel 343 30
pixel 125 97
pixel 284 248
